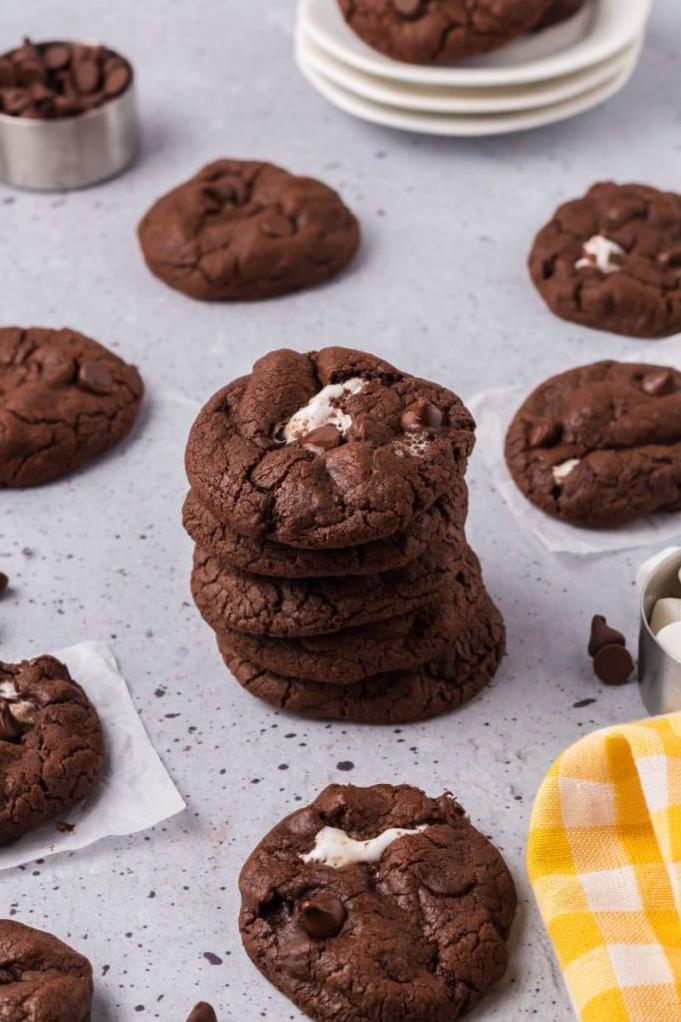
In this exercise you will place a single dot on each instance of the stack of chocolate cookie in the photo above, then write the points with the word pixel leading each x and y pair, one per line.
pixel 328 505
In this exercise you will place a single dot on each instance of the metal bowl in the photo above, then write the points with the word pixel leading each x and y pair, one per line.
pixel 70 152
pixel 659 672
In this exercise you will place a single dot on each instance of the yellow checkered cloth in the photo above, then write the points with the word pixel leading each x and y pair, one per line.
pixel 604 859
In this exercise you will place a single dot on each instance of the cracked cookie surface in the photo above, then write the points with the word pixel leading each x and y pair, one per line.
pixel 348 656
pixel 64 399
pixel 419 933
pixel 303 607
pixel 458 673
pixel 263 557
pixel 612 260
pixel 246 230
pixel 368 449
pixel 438 31
pixel 51 745
pixel 600 445
pixel 41 978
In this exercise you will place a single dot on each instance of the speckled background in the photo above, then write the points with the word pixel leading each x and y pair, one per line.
pixel 441 289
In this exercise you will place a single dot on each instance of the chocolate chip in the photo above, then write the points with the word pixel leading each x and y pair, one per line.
pixel 603 635
pixel 117 79
pixel 95 377
pixel 545 433
pixel 370 431
pixel 421 415
pixel 57 57
pixel 323 916
pixel 58 372
pixel 202 1013
pixel 228 189
pixel 322 439
pixel 658 382
pixel 10 729
pixel 86 76
pixel 613 665
pixel 276 225
pixel 4 582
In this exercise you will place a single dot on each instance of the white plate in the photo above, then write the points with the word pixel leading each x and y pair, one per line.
pixel 438 100
pixel 615 24
pixel 463 126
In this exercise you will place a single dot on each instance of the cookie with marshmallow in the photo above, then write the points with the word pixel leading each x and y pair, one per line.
pixel 612 260
pixel 378 903
pixel 51 745
pixel 600 445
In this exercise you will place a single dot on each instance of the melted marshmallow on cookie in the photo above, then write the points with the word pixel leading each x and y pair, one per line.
pixel 562 471
pixel 323 410
pixel 599 253
pixel 333 847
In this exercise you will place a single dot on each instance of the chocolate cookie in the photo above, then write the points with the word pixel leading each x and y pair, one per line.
pixel 438 31
pixel 600 445
pixel 452 678
pixel 202 1013
pixel 281 608
pixel 329 449
pixel 263 557
pixel 242 230
pixel 41 978
pixel 378 903
pixel 344 657
pixel 560 10
pixel 51 745
pixel 612 260
pixel 64 400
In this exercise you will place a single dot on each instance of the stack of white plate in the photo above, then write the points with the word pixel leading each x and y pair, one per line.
pixel 539 79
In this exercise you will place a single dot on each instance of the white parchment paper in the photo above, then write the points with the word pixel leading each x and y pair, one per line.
pixel 494 410
pixel 135 792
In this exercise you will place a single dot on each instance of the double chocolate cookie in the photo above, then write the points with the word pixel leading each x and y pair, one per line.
pixel 327 450
pixel 458 673
pixel 378 903
pixel 243 230
pixel 328 506
pixel 41 978
pixel 65 400
pixel 51 745
pixel 612 260
pixel 600 445
pixel 438 31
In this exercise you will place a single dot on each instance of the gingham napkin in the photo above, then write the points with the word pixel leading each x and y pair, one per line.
pixel 604 859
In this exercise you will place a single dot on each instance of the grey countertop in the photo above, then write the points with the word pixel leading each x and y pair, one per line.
pixel 440 289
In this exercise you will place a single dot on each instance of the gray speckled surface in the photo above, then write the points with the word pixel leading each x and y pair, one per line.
pixel 440 289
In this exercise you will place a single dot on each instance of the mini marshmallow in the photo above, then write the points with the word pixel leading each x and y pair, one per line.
pixel 323 410
pixel 8 690
pixel 665 612
pixel 670 639
pixel 333 847
pixel 562 471
pixel 599 253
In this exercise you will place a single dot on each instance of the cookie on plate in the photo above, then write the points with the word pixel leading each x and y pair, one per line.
pixel 438 31
pixel 51 745
pixel 612 260
pixel 263 557
pixel 455 676
pixel 65 400
pixel 600 445
pixel 328 449
pixel 242 230
pixel 41 978
pixel 378 903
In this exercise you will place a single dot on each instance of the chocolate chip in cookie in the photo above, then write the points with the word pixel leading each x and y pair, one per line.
pixel 66 399
pixel 612 260
pixel 246 230
pixel 378 903
pixel 600 445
